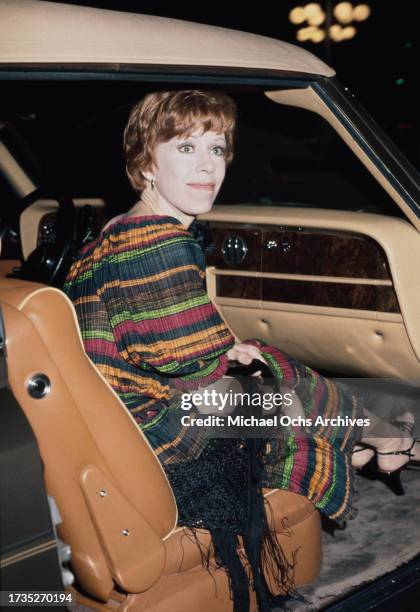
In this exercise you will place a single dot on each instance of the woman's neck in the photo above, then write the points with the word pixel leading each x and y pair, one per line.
pixel 153 203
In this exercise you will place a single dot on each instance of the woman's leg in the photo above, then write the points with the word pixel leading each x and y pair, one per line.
pixel 361 456
pixel 382 435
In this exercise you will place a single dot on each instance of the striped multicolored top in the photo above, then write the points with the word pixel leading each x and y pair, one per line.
pixel 146 320
pixel 149 326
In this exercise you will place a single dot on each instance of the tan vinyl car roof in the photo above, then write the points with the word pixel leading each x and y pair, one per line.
pixel 45 32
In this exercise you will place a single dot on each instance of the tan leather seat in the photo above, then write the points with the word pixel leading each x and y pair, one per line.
pixel 119 513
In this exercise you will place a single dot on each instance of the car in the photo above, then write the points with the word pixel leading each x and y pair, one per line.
pixel 311 246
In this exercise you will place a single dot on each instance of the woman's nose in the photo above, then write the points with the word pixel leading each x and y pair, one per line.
pixel 205 163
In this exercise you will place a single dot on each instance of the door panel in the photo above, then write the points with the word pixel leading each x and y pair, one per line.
pixel 331 287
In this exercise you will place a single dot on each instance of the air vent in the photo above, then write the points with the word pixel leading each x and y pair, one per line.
pixel 234 250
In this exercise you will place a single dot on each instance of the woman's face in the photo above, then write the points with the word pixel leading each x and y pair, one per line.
pixel 189 171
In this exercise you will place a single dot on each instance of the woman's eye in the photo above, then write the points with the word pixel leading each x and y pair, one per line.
pixel 219 151
pixel 186 148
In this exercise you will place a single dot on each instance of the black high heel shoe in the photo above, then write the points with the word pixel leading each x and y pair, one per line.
pixel 392 480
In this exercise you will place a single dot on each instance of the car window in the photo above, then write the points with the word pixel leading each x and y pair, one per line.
pixel 284 156
pixel 291 156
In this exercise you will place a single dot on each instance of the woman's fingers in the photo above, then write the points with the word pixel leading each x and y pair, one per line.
pixel 232 354
pixel 245 354
pixel 253 351
pixel 236 355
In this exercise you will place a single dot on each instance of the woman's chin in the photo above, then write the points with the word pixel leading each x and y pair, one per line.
pixel 200 208
pixel 195 212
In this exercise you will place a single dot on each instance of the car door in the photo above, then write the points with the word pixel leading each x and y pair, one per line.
pixel 319 263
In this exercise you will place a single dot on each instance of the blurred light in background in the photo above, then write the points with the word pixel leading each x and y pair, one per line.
pixel 314 15
pixel 343 12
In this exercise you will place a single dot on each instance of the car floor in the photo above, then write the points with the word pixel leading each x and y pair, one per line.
pixel 384 535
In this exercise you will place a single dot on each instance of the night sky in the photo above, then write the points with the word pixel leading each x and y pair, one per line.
pixel 380 64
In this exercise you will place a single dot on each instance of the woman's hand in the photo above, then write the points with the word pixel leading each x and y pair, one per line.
pixel 244 353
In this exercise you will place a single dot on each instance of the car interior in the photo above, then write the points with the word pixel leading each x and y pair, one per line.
pixel 310 247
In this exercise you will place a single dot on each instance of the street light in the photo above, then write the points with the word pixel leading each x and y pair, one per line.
pixel 361 12
pixel 344 12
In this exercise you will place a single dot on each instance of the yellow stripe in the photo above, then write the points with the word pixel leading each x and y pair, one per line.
pixel 324 467
pixel 162 448
pixel 346 497
pixel 86 300
pixel 143 407
pixel 349 430
pixel 143 232
pixel 313 485
pixel 148 279
pixel 196 339
pixel 153 386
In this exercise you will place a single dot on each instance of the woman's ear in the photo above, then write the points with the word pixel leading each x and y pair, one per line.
pixel 148 175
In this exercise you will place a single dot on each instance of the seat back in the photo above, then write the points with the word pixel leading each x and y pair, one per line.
pixel 113 495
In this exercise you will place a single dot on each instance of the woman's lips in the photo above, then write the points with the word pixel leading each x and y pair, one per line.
pixel 203 186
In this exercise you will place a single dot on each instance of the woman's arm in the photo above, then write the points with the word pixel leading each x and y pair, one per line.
pixel 159 312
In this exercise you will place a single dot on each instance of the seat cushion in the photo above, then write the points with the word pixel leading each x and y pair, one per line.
pixel 297 525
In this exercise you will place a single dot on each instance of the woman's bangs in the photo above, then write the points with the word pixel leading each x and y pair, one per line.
pixel 201 121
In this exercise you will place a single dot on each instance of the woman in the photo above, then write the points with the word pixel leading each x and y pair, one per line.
pixel 151 329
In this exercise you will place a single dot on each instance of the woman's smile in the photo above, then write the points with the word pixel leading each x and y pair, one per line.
pixel 204 186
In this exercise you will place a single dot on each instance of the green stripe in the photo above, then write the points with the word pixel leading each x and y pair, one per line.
pixel 97 334
pixel 289 462
pixel 152 314
pixel 124 257
pixel 331 489
pixel 156 420
pixel 76 281
pixel 272 361
pixel 136 251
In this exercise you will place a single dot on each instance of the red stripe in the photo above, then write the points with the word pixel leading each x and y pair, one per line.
pixel 175 321
pixel 101 347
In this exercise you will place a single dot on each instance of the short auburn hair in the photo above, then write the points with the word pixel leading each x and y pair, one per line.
pixel 160 116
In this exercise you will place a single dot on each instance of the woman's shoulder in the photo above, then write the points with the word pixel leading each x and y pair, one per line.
pixel 159 242
pixel 144 231
pixel 130 247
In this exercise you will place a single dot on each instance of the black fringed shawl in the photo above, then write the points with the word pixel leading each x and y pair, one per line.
pixel 221 491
